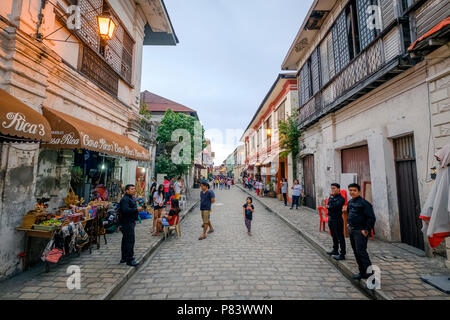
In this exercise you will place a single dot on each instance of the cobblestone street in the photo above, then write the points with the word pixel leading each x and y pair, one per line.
pixel 401 265
pixel 275 263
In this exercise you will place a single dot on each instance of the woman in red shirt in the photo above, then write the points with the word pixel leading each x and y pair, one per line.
pixel 172 218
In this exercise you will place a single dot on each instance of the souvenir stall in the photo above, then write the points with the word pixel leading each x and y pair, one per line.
pixel 90 207
pixel 69 228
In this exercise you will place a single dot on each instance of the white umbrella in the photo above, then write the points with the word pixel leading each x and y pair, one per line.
pixel 436 211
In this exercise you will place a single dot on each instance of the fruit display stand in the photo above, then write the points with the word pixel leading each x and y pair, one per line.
pixel 48 234
pixel 36 224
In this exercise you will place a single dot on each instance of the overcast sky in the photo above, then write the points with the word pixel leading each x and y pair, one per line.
pixel 229 55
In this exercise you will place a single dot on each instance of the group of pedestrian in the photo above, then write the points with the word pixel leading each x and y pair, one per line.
pixel 222 183
pixel 167 194
pixel 361 220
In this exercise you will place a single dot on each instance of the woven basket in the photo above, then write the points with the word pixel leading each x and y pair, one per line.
pixel 28 220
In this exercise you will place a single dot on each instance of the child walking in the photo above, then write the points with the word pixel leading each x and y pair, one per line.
pixel 248 214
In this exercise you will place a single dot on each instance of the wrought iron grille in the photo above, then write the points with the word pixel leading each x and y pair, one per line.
pixel 89 29
pixel 366 35
pixel 315 71
pixel 305 82
pixel 118 51
pixel 340 43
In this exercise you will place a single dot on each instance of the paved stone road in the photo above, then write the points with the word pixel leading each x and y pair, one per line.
pixel 101 271
pixel 401 268
pixel 273 264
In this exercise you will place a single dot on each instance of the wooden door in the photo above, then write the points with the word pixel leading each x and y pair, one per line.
pixel 408 192
pixel 309 181
pixel 356 160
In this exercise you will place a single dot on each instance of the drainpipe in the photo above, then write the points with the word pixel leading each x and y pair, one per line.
pixel 40 18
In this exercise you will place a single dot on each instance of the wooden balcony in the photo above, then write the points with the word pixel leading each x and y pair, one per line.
pixel 369 70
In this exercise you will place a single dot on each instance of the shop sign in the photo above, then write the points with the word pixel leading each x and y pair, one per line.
pixel 67 139
pixel 100 144
pixel 18 122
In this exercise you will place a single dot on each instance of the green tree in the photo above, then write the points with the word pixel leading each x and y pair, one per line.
pixel 289 138
pixel 171 122
pixel 145 112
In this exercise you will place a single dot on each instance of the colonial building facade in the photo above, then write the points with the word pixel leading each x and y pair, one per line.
pixel 373 110
pixel 54 61
pixel 261 138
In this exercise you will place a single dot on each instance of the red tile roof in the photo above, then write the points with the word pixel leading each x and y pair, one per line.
pixel 157 103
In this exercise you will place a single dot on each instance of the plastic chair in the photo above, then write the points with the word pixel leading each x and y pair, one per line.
pixel 176 227
pixel 323 213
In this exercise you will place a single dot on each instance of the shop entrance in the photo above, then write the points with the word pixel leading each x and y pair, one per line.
pixel 408 192
pixel 95 175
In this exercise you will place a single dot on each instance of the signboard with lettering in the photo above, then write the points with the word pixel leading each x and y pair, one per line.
pixel 72 133
pixel 19 120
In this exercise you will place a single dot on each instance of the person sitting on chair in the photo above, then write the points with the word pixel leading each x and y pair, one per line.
pixel 169 220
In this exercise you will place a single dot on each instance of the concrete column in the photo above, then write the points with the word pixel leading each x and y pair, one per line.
pixel 378 156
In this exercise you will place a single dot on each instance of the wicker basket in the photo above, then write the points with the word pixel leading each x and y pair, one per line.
pixel 28 220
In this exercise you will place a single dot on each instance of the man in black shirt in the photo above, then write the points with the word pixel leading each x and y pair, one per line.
pixel 128 214
pixel 361 220
pixel 335 222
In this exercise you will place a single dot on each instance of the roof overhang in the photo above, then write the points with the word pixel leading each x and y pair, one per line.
pixel 438 36
pixel 274 91
pixel 158 30
pixel 308 31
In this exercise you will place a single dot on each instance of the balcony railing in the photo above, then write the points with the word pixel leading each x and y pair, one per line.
pixel 99 71
pixel 366 72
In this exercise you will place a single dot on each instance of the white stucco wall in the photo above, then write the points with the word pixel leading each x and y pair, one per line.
pixel 399 107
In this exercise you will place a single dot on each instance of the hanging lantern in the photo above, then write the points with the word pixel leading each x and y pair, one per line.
pixel 269 132
pixel 106 26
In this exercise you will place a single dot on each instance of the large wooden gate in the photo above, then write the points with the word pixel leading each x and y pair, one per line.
pixel 309 182
pixel 408 192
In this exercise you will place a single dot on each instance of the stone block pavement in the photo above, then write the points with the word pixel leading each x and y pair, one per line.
pixel 401 268
pixel 274 263
pixel 101 272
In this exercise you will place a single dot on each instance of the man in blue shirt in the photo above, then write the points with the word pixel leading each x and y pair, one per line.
pixel 207 198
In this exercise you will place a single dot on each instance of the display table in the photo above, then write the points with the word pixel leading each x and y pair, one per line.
pixel 91 226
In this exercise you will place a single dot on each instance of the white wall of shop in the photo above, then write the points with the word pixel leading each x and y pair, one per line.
pixel 399 107
pixel 44 74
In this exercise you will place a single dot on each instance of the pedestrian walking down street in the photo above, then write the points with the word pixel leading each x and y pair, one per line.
pixel 361 220
pixel 249 209
pixel 166 184
pixel 128 214
pixel 177 187
pixel 297 191
pixel 152 191
pixel 335 206
pixel 207 198
pixel 284 186
pixel 158 205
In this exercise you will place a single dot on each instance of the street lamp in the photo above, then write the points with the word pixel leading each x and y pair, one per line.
pixel 106 26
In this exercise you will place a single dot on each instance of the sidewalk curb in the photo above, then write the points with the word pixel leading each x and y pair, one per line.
pixel 346 271
pixel 121 282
